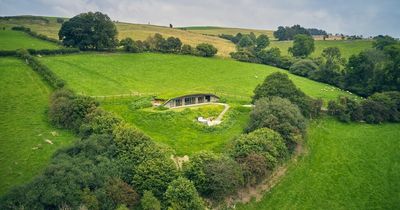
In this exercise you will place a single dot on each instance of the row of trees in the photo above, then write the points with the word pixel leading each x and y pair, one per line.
pixel 158 43
pixel 377 108
pixel 96 31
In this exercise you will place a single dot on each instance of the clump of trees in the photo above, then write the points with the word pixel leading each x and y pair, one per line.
pixel 303 46
pixel 289 33
pixel 158 43
pixel 89 31
pixel 279 85
pixel 258 153
pixel 377 108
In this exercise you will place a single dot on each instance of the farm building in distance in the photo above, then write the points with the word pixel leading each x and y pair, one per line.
pixel 192 99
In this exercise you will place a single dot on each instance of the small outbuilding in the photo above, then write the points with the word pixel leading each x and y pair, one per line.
pixel 192 99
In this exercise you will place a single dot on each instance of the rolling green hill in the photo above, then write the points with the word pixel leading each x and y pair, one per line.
pixel 166 76
pixel 24 129
pixel 345 166
pixel 12 40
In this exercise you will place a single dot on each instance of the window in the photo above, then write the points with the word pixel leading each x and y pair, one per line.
pixel 200 99
pixel 190 100
pixel 208 98
pixel 178 102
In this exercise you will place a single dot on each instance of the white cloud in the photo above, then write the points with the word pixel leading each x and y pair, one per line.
pixel 367 17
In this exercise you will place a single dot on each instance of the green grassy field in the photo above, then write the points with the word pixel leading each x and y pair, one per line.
pixel 23 125
pixel 166 76
pixel 348 166
pixel 12 40
pixel 347 47
pixel 179 129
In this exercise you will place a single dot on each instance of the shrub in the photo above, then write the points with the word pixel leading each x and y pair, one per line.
pixel 264 142
pixel 270 57
pixel 303 46
pixel 141 102
pixel 129 45
pixel 375 112
pixel 52 79
pixel 187 50
pixel 99 122
pixel 206 50
pixel 244 55
pixel 134 148
pixel 66 112
pixel 279 115
pixel 121 193
pixel 213 176
pixel 154 175
pixel 181 194
pixel 8 53
pixel 304 67
pixel 254 167
pixel 149 202
pixel 279 84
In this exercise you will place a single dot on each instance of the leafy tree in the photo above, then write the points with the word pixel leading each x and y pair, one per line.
pixel 60 20
pixel 214 176
pixel 121 193
pixel 154 175
pixel 134 148
pixel 364 73
pixel 304 67
pixel 89 31
pixel 279 84
pixel 69 111
pixel 380 42
pixel 330 70
pixel 187 50
pixel 244 55
pixel 280 115
pixel 130 46
pixel 263 141
pixel 288 33
pixel 206 50
pixel 174 44
pixel 254 167
pixel 245 41
pixel 149 202
pixel 261 42
pixel 99 121
pixel 270 57
pixel 181 194
pixel 303 46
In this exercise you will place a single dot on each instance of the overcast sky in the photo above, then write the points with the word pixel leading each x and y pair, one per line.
pixel 366 17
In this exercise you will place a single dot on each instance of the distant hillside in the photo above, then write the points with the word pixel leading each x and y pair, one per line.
pixel 215 30
pixel 50 27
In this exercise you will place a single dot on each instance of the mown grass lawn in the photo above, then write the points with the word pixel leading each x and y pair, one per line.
pixel 166 75
pixel 347 47
pixel 179 129
pixel 23 125
pixel 12 40
pixel 348 166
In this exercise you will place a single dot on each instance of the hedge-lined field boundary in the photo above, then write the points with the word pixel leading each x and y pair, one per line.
pixel 36 35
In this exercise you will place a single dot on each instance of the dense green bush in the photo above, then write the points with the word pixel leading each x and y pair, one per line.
pixel 8 53
pixel 280 115
pixel 263 141
pixel 149 202
pixel 279 84
pixel 214 176
pixel 99 121
pixel 378 108
pixel 254 168
pixel 53 52
pixel 303 45
pixel 52 79
pixel 68 111
pixel 187 50
pixel 181 194
pixel 206 50
pixel 122 193
pixel 154 175
pixel 304 67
